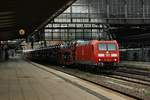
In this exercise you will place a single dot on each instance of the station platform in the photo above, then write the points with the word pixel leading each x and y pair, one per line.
pixel 22 80
pixel 136 64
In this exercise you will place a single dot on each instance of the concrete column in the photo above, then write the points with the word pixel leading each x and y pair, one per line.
pixel 2 54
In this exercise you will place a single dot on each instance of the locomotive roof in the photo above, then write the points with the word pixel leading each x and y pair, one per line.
pixel 95 41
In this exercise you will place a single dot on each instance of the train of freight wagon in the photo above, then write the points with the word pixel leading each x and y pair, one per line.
pixel 93 53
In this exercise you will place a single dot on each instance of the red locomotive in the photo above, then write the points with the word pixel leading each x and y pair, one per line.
pixel 92 52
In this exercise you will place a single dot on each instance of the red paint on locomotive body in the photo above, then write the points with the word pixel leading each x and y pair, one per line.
pixel 95 52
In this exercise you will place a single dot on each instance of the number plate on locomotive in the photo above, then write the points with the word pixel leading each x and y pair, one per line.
pixel 107 55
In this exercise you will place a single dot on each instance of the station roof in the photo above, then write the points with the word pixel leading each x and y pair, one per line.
pixel 26 14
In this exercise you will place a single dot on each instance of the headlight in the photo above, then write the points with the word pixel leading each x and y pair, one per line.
pixel 99 60
pixel 101 55
pixel 115 59
pixel 114 55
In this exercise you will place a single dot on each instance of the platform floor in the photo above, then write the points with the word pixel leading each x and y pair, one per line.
pixel 20 80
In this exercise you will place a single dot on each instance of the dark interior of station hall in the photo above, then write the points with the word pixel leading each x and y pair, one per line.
pixel 75 50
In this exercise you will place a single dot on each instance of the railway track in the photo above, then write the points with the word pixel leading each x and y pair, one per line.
pixel 128 95
pixel 131 75
pixel 96 79
pixel 134 71
pixel 138 76
pixel 109 87
pixel 133 80
pixel 129 79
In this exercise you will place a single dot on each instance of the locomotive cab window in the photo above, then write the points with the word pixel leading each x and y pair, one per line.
pixel 110 47
pixel 102 46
